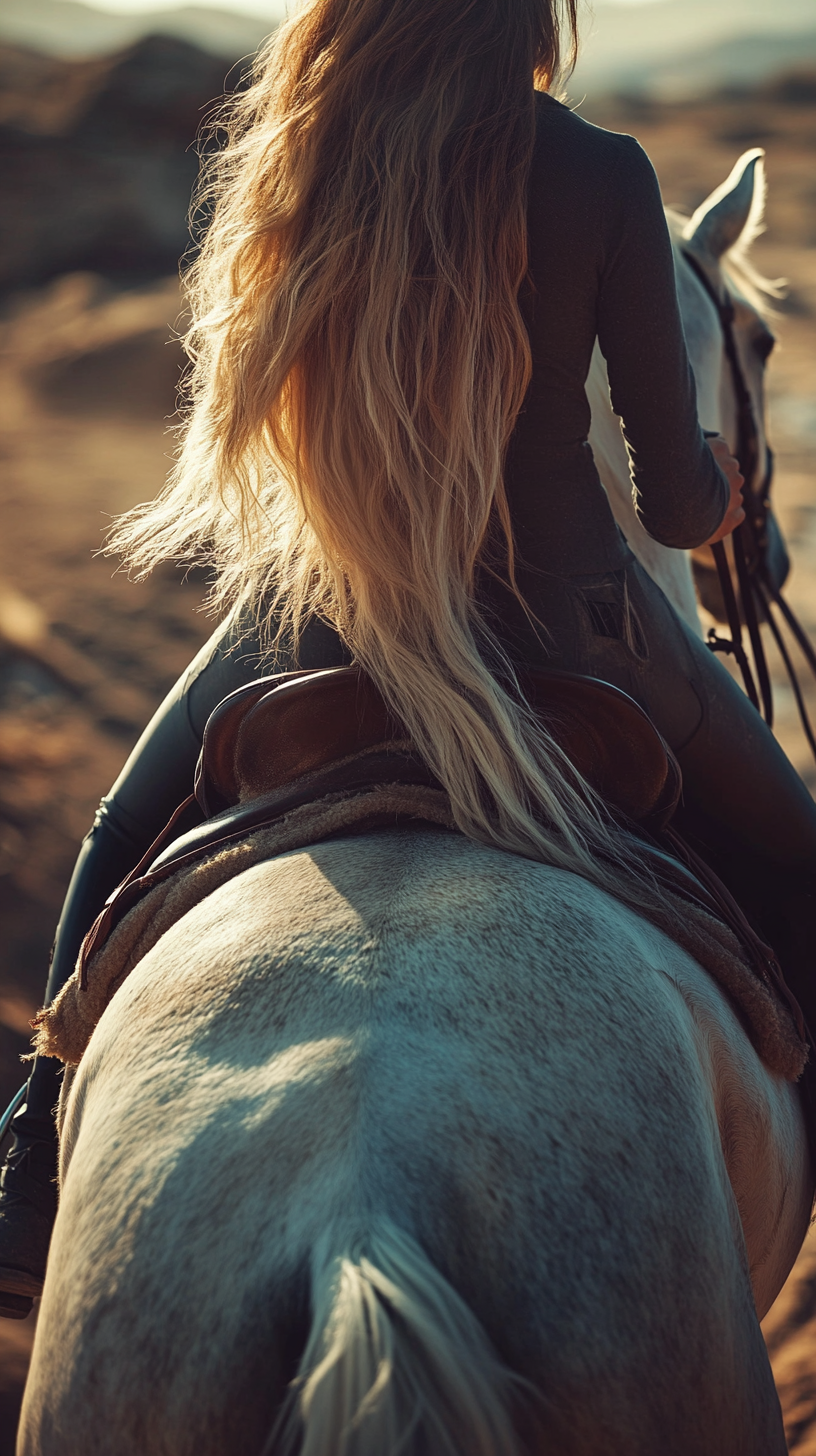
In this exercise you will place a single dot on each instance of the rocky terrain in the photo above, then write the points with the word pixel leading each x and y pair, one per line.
pixel 98 159
pixel 95 159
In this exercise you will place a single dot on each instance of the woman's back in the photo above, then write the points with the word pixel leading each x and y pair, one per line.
pixel 600 265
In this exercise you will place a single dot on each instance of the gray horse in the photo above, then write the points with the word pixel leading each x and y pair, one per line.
pixel 397 1145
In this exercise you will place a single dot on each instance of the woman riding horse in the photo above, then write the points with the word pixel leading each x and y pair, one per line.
pixel 413 248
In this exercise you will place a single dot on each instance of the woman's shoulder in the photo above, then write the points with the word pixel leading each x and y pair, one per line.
pixel 560 130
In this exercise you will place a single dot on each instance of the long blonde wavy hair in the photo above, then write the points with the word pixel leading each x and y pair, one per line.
pixel 358 362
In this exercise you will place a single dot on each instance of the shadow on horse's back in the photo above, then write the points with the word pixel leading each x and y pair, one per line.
pixel 419 1118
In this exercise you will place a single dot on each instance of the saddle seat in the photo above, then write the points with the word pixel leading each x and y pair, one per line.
pixel 279 730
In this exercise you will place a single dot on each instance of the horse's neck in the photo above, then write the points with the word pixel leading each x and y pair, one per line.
pixel 703 333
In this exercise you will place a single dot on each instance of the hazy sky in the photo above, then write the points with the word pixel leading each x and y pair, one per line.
pixel 247 7
pixel 244 7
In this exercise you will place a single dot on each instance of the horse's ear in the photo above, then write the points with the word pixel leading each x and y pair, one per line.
pixel 734 210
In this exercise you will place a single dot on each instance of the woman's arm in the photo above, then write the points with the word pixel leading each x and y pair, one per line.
pixel 681 494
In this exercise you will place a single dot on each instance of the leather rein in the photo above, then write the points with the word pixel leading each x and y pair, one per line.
pixel 758 593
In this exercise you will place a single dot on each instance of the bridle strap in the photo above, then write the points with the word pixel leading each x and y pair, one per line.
pixel 732 645
pixel 757 592
pixel 804 717
pixel 752 623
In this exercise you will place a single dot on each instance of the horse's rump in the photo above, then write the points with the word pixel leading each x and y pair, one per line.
pixel 532 1084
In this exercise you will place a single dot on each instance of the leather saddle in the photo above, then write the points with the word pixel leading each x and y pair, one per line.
pixel 288 740
pixel 285 741
pixel 273 733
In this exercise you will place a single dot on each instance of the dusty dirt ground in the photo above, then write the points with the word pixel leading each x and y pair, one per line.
pixel 86 380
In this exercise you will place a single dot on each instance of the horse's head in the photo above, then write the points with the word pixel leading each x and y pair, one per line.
pixel 718 238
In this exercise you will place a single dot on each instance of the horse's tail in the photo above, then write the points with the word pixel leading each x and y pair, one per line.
pixel 395 1363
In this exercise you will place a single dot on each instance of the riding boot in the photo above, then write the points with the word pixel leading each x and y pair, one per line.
pixel 28 1179
pixel 28 1193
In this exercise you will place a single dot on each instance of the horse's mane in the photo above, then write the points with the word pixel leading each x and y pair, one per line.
pixel 739 272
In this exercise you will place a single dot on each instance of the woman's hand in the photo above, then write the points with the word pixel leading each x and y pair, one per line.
pixel 735 514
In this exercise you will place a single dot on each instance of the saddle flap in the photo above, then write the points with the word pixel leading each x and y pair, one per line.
pixel 284 728
pixel 611 741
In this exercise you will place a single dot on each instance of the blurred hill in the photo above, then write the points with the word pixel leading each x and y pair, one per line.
pixel 695 72
pixel 68 28
pixel 671 47
pixel 98 159
pixel 685 47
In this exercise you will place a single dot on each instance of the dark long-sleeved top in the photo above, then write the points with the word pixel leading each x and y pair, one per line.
pixel 601 264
